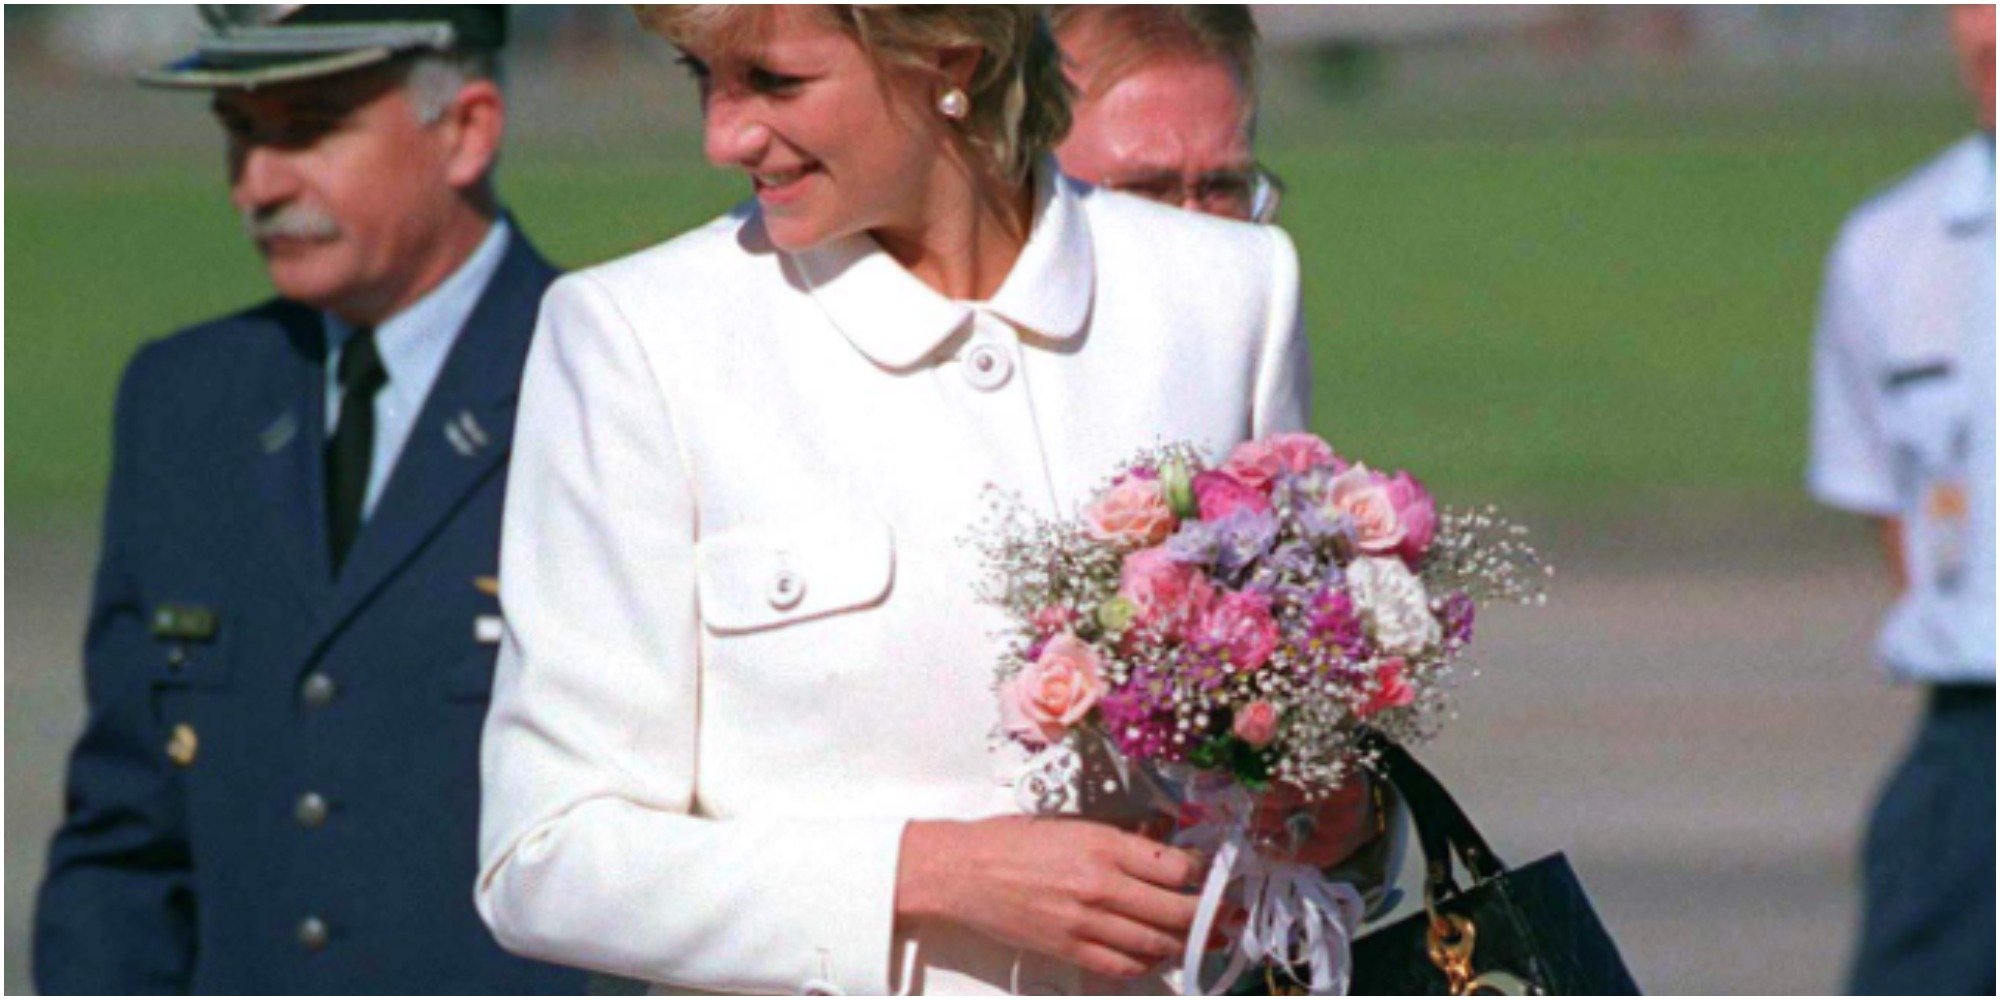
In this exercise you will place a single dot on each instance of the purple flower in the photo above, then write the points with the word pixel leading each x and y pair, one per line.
pixel 1291 572
pixel 1459 611
pixel 1194 544
pixel 1335 623
pixel 1292 561
pixel 1242 537
pixel 1305 495
pixel 1139 718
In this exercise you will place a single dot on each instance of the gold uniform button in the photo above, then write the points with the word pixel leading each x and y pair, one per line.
pixel 181 746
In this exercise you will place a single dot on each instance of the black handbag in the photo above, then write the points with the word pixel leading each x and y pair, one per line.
pixel 1507 932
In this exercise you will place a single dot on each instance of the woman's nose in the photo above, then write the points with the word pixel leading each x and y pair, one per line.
pixel 732 134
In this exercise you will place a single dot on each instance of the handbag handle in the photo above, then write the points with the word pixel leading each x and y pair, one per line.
pixel 1444 831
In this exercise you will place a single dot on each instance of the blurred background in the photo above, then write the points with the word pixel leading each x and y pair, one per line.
pixel 1559 258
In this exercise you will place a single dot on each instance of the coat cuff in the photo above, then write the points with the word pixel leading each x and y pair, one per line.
pixel 851 906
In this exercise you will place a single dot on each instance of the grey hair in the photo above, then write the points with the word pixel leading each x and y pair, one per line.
pixel 433 80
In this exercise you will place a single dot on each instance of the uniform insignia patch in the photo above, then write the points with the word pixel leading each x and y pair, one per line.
pixel 280 433
pixel 184 621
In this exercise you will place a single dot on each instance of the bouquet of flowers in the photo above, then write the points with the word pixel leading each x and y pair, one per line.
pixel 1227 629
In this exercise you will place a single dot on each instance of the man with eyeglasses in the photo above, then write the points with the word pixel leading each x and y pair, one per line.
pixel 1167 105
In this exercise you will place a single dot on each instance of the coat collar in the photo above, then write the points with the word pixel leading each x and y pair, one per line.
pixel 898 321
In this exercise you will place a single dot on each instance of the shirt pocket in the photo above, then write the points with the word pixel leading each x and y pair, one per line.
pixel 764 575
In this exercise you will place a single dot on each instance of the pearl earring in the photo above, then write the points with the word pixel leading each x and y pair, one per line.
pixel 953 104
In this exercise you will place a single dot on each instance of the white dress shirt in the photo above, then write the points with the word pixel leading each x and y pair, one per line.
pixel 1903 400
pixel 413 344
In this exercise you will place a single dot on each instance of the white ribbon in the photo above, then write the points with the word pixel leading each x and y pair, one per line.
pixel 1295 915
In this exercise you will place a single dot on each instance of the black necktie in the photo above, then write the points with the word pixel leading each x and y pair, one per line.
pixel 353 446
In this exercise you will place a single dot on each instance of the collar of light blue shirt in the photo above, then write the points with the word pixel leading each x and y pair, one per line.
pixel 1968 199
pixel 415 342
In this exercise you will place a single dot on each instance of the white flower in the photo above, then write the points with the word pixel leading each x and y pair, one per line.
pixel 1394 603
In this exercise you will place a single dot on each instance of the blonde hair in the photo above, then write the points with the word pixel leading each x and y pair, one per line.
pixel 1129 36
pixel 1020 100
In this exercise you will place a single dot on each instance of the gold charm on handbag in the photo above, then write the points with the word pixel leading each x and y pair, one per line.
pixel 1451 942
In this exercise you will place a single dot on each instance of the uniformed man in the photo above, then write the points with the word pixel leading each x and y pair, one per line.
pixel 1166 105
pixel 1903 432
pixel 291 637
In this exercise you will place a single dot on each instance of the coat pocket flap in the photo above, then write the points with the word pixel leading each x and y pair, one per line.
pixel 765 574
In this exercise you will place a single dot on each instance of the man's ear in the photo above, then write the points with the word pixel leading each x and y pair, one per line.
pixel 478 120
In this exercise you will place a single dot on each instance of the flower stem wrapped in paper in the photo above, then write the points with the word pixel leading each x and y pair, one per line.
pixel 1225 633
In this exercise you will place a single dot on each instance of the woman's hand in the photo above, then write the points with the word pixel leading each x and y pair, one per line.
pixel 1339 824
pixel 1110 902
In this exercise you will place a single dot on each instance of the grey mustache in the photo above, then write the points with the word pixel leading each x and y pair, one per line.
pixel 293 222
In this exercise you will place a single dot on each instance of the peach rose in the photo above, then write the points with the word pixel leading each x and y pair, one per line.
pixel 1055 692
pixel 1369 508
pixel 1257 724
pixel 1133 513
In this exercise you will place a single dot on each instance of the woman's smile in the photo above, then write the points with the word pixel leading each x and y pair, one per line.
pixel 778 188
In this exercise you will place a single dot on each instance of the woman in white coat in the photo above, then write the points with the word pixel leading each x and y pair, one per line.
pixel 740 734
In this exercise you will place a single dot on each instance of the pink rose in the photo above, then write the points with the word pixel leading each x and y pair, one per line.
pixel 1304 452
pixel 1053 693
pixel 1240 626
pixel 1257 463
pixel 1219 495
pixel 1254 464
pixel 1257 724
pixel 1392 688
pixel 1169 595
pixel 1416 512
pixel 1133 512
pixel 1366 503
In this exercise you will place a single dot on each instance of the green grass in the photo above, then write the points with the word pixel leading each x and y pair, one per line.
pixel 1567 320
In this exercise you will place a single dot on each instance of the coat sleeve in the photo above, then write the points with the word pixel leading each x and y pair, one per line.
pixel 1284 370
pixel 116 911
pixel 592 850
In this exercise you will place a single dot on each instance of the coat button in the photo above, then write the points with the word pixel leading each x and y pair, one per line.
pixel 182 745
pixel 987 367
pixel 311 810
pixel 787 590
pixel 318 690
pixel 313 934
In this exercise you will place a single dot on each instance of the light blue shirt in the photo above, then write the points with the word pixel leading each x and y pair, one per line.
pixel 414 344
pixel 1903 399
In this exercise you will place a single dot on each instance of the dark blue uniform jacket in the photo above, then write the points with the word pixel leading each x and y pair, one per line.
pixel 277 789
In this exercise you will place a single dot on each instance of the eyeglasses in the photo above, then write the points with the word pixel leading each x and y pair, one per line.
pixel 1248 195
